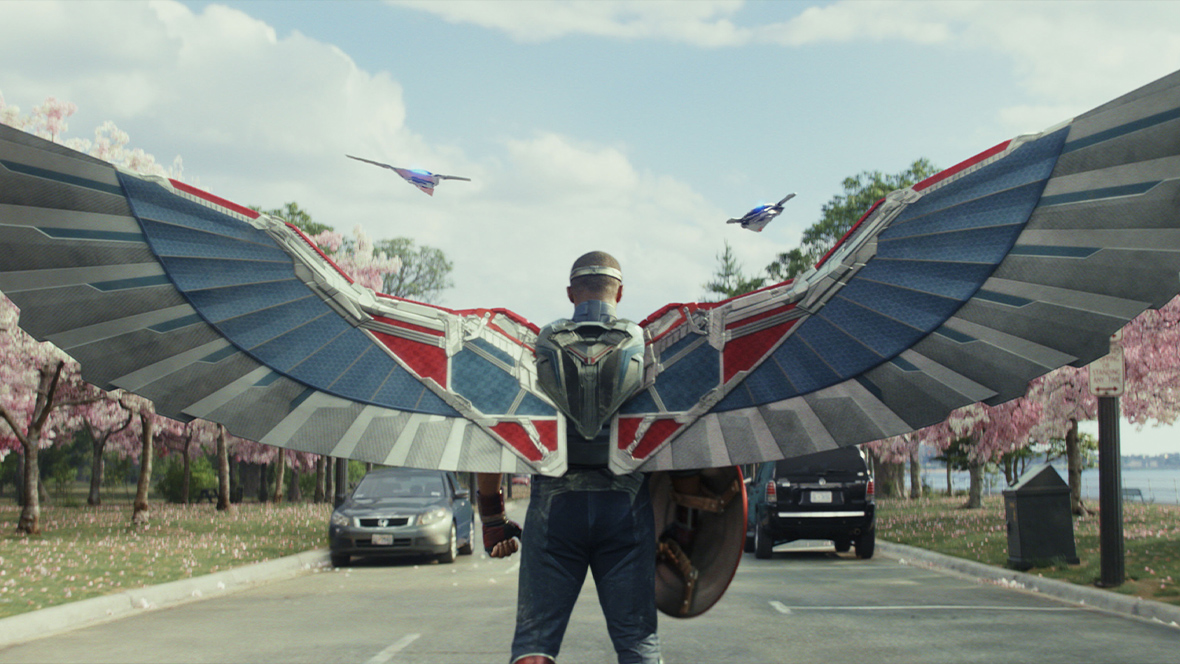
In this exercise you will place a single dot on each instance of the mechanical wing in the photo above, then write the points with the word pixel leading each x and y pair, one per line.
pixel 960 289
pixel 214 311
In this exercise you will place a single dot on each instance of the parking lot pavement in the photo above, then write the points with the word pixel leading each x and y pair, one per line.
pixel 58 619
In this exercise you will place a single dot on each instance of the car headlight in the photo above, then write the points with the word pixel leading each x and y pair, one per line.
pixel 339 519
pixel 432 516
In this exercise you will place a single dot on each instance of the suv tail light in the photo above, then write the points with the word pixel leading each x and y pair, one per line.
pixel 870 491
pixel 771 492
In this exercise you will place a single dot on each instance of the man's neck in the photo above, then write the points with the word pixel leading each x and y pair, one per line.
pixel 594 310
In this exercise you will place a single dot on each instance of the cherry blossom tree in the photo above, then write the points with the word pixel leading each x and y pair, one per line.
pixel 146 422
pixel 49 121
pixel 357 257
pixel 39 395
pixel 901 451
pixel 107 421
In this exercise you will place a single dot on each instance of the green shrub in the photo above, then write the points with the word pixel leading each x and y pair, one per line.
pixel 171 483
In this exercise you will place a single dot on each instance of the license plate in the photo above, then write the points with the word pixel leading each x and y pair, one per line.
pixel 821 496
pixel 382 540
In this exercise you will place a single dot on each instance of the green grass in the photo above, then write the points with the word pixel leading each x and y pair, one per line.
pixel 86 552
pixel 1151 535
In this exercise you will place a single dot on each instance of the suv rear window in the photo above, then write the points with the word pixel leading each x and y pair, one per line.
pixel 842 461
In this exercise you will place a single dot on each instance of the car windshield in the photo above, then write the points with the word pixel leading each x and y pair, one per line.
pixel 400 486
pixel 846 460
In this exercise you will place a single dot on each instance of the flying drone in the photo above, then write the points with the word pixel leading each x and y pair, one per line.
pixel 424 180
pixel 756 219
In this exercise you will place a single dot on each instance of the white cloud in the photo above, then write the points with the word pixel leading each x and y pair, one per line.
pixel 1066 55
pixel 701 23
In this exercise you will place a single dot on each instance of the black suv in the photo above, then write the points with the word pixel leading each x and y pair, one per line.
pixel 827 496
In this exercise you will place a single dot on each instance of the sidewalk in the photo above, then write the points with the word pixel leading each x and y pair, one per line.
pixel 84 613
pixel 1104 600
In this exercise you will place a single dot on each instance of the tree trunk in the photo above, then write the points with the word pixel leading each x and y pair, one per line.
pixel 915 477
pixel 31 487
pixel 185 498
pixel 97 469
pixel 975 493
pixel 222 471
pixel 1073 456
pixel 139 510
pixel 294 494
pixel 280 476
pixel 950 489
pixel 341 483
pixel 263 485
pixel 329 479
pixel 30 513
pixel 320 469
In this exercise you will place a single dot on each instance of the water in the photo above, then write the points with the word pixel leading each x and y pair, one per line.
pixel 1160 485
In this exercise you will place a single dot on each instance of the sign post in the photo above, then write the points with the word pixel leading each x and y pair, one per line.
pixel 1107 383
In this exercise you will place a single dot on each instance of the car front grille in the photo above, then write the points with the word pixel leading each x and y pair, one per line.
pixel 397 542
pixel 384 522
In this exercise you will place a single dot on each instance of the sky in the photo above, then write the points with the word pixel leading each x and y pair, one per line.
pixel 636 128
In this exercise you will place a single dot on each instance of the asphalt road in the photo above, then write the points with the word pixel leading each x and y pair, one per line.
pixel 805 605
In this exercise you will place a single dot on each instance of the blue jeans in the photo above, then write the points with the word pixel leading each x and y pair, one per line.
pixel 588 520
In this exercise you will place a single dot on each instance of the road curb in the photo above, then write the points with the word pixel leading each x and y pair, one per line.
pixel 1103 600
pixel 87 612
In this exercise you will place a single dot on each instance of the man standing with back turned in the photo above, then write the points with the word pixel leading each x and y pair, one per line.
pixel 588 518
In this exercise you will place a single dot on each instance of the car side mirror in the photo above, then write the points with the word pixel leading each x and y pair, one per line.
pixel 462 494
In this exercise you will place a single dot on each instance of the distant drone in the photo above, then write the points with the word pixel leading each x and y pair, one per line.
pixel 756 219
pixel 424 180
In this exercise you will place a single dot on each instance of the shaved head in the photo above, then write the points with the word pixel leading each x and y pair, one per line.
pixel 598 280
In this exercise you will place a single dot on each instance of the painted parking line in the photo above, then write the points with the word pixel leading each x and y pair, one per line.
pixel 388 654
pixel 782 608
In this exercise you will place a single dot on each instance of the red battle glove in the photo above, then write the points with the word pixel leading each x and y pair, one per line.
pixel 496 526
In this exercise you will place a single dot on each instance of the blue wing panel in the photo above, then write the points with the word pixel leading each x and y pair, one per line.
pixel 956 281
pixel 977 245
pixel 640 404
pixel 286 351
pixel 244 284
pixel 488 387
pixel 933 258
pixel 200 273
pixel 841 351
pixel 181 241
pixel 222 304
pixel 254 329
pixel 806 370
pixel 331 360
pixel 1031 162
pixel 994 210
pixel 683 384
pixel 532 405
pixel 878 332
pixel 152 201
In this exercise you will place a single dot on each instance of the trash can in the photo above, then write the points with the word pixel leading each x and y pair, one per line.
pixel 1040 522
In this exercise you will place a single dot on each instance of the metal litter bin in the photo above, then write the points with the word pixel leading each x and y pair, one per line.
pixel 1040 522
